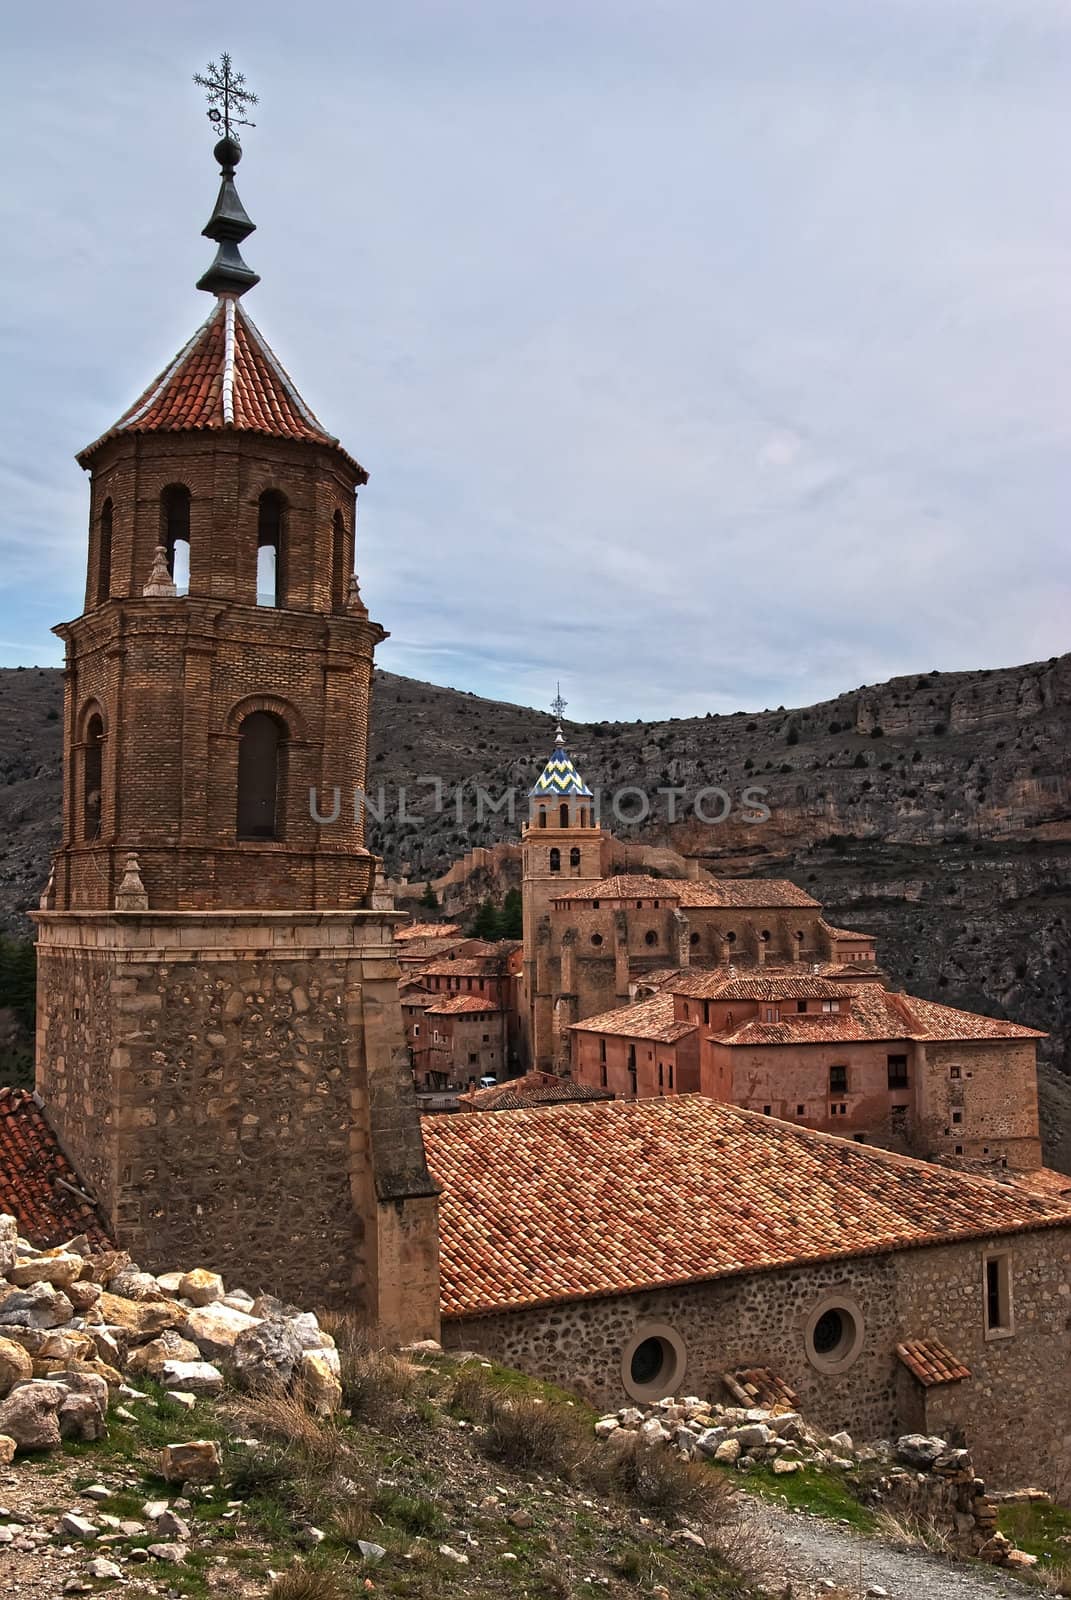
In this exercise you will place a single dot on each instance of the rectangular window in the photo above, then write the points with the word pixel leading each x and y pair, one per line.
pixel 473 1058
pixel 766 1110
pixel 799 1111
pixel 897 1072
pixel 771 1014
pixel 416 1030
pixel 838 1080
pixel 661 1076
pixel 999 1321
pixel 953 1072
pixel 671 1074
pixel 602 1076
pixel 830 1005
pixel 801 1005
pixel 957 1116
pixel 602 1049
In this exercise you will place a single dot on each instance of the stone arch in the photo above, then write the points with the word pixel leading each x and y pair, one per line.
pixel 92 730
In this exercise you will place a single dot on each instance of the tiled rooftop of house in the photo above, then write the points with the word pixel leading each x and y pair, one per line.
pixel 847 933
pixel 568 1202
pixel 876 1014
pixel 493 966
pixel 227 376
pixel 427 930
pixel 931 1362
pixel 720 985
pixel 711 893
pixel 645 1019
pixel 457 1005
pixel 32 1166
pixel 533 1089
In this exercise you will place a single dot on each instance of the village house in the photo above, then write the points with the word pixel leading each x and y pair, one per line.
pixel 849 1058
pixel 648 1247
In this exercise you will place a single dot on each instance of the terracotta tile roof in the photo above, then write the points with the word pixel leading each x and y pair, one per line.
pixel 931 1362
pixel 567 1202
pixel 427 930
pixel 455 1005
pixel 646 1019
pixel 1043 1181
pixel 758 1386
pixel 712 893
pixel 846 933
pixel 30 1163
pixel 533 1089
pixel 226 377
pixel 876 1014
pixel 719 985
pixel 496 966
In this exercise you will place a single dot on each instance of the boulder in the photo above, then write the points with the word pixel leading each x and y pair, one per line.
pixel 215 1329
pixel 265 1354
pixel 9 1238
pixel 151 1358
pixel 201 1288
pixel 39 1306
pixel 7 1450
pixel 783 1466
pixel 170 1525
pixel 919 1450
pixel 60 1271
pixel 195 1461
pixel 708 1441
pixel 173 1553
pixel 83 1295
pixel 100 1568
pixel 133 1284
pixel 606 1426
pixel 169 1282
pixel 841 1443
pixel 753 1436
pixel 30 1415
pixel 195 1377
pixel 15 1366
pixel 320 1382
pixel 269 1305
pixel 76 1527
pixel 728 1453
pixel 140 1319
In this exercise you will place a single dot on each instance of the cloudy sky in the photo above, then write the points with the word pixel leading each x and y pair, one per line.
pixel 706 356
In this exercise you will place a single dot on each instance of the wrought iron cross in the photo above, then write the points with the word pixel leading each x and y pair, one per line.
pixel 228 98
pixel 558 705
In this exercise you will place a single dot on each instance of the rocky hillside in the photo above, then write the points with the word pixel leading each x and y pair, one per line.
pixel 934 809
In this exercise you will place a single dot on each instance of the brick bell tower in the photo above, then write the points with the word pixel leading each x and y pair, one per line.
pixel 562 847
pixel 219 1041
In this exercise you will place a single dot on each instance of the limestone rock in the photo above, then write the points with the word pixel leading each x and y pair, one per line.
pixel 15 1366
pixel 60 1271
pixel 7 1450
pixel 100 1568
pixel 169 1282
pixel 196 1377
pixel 30 1415
pixel 708 1441
pixel 606 1426
pixel 170 1525
pixel 201 1288
pixel 83 1295
pixel 77 1527
pixel 80 1417
pixel 755 1436
pixel 783 1466
pixel 39 1306
pixel 151 1358
pixel 265 1354
pixel 9 1235
pixel 320 1382
pixel 195 1461
pixel 215 1329
pixel 919 1450
pixel 140 1319
pixel 841 1443
pixel 173 1553
pixel 370 1552
pixel 133 1284
pixel 728 1453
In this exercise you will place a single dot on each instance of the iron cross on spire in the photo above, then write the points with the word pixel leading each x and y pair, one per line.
pixel 558 705
pixel 227 96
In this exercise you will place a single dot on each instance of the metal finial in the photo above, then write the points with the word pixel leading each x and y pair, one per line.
pixel 558 705
pixel 227 96
pixel 229 223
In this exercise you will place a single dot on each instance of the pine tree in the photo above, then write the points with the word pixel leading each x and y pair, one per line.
pixel 429 899
pixel 485 924
pixel 510 919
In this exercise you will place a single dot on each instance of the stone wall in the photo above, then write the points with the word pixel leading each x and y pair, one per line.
pixel 235 1089
pixel 1012 1411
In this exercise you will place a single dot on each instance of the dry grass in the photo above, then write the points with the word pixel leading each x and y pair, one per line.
pixel 318 1443
pixel 522 1432
pixel 374 1381
pixel 353 1522
pixel 659 1479
pixel 300 1582
pixel 912 1531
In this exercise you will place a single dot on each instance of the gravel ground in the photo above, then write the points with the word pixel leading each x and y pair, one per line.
pixel 809 1549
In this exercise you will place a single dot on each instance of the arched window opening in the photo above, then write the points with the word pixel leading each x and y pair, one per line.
pixel 270 511
pixel 563 814
pixel 574 857
pixel 175 534
pixel 92 777
pixel 338 562
pixel 542 818
pixel 104 553
pixel 261 740
pixel 555 861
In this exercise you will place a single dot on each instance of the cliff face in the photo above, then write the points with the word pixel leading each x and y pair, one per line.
pixel 934 810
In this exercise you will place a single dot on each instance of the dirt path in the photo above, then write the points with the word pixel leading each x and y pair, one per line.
pixel 812 1550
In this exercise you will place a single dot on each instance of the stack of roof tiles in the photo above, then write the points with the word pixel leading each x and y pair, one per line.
pixel 38 1185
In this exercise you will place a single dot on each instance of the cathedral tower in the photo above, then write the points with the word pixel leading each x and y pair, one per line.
pixel 562 847
pixel 219 1039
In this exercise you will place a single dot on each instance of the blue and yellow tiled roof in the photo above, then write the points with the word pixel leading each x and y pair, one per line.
pixel 559 776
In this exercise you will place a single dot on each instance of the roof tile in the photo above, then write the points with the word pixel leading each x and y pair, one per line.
pixel 31 1162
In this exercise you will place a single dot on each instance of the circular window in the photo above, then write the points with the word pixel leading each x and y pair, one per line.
pixel 694 939
pixel 650 937
pixel 730 938
pixel 653 1362
pixel 834 1336
pixel 596 938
